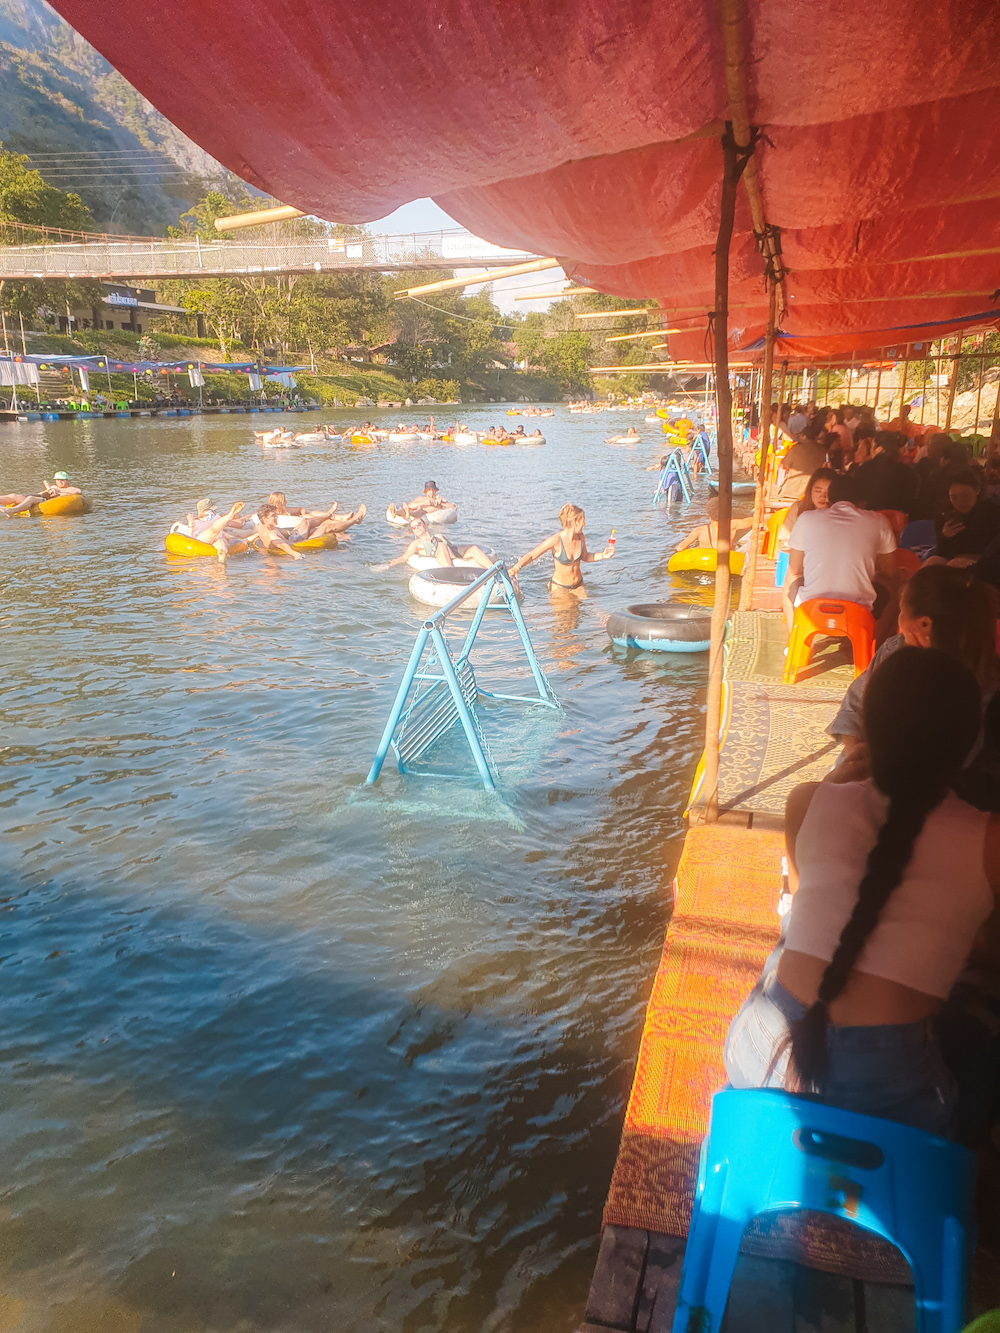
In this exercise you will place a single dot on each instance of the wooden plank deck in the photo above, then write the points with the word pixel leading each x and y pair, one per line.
pixel 775 737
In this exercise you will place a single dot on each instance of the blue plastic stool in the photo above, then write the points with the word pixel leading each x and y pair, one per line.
pixel 767 1151
pixel 780 569
pixel 919 536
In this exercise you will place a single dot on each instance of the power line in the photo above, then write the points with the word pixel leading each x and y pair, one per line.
pixel 472 319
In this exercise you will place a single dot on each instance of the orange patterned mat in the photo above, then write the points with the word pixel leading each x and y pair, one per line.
pixel 723 927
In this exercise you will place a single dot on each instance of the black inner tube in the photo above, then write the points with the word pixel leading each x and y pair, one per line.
pixel 662 620
pixel 450 574
pixel 668 612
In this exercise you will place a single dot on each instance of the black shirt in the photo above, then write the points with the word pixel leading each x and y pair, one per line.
pixel 886 483
pixel 979 527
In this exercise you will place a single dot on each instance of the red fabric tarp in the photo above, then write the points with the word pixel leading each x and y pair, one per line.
pixel 591 132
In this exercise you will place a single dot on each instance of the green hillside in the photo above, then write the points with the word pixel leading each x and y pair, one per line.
pixel 58 96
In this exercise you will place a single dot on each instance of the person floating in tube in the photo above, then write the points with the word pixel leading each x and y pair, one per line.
pixel 431 502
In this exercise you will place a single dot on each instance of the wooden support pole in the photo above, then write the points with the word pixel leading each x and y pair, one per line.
pixel 995 427
pixel 902 392
pixel 953 384
pixel 923 389
pixel 979 387
pixel 750 572
pixel 878 390
pixel 732 170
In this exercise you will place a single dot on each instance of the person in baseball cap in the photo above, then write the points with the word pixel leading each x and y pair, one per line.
pixel 59 485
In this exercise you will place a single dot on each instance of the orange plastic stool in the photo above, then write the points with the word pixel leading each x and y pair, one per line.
pixel 769 540
pixel 897 520
pixel 834 619
pixel 907 562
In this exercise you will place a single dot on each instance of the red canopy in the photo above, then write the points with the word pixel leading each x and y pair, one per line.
pixel 591 132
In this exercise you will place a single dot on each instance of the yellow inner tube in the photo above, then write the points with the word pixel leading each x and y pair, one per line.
pixel 63 505
pixel 177 544
pixel 327 543
pixel 362 439
pixel 703 558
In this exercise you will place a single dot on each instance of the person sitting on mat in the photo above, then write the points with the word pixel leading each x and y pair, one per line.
pixel 708 533
pixel 939 607
pixel 891 880
pixel 59 485
pixel 838 552
pixel 569 551
pixel 966 528
pixel 817 496
pixel 884 481
pixel 428 544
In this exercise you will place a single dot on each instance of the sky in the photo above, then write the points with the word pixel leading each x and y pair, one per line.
pixel 425 215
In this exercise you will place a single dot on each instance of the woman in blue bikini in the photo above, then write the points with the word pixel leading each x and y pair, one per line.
pixel 569 551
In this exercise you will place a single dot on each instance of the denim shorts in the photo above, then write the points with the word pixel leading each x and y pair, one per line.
pixel 893 1070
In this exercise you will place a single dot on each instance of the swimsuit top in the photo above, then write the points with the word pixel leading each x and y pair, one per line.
pixel 561 557
pixel 428 544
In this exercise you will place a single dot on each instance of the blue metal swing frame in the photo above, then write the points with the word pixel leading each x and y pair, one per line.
pixel 442 698
pixel 675 467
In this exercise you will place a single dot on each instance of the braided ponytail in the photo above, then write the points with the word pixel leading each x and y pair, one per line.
pixel 921 713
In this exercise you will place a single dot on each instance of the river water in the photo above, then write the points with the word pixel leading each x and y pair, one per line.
pixel 279 1053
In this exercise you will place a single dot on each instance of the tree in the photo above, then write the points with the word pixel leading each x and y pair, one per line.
pixel 566 358
pixel 528 336
pixel 220 302
pixel 26 198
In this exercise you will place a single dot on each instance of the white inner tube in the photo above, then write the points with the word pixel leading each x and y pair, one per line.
pixel 437 587
pixel 431 562
pixel 401 439
pixel 309 437
pixel 397 520
pixel 465 437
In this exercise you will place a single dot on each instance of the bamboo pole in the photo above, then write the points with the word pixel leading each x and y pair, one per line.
pixel 953 383
pixel 937 385
pixel 995 427
pixel 284 213
pixel 487 275
pixel 750 573
pixel 732 170
pixel 979 389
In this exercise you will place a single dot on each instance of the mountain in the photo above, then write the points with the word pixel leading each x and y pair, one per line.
pixel 87 129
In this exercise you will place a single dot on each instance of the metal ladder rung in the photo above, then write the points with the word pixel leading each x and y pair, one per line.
pixel 431 716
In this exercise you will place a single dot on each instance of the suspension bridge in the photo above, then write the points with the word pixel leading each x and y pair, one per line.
pixel 80 255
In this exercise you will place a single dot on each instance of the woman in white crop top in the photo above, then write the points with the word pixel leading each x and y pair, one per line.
pixel 892 879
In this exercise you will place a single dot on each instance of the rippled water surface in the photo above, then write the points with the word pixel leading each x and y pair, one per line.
pixel 278 1053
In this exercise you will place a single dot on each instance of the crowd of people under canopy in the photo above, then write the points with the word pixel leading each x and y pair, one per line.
pixel 883 995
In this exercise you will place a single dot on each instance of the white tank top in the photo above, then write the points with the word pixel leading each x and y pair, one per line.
pixel 925 931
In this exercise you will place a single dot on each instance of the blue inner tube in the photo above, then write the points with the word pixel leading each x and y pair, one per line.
pixel 662 627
